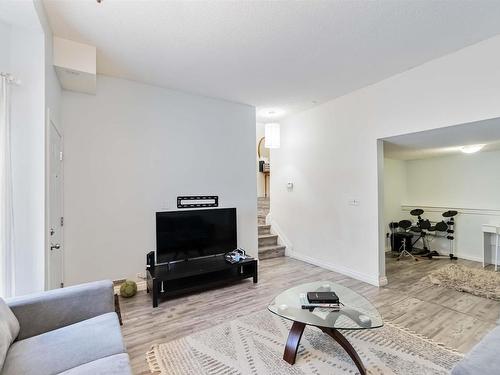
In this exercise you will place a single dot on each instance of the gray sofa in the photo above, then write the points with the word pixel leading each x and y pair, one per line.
pixel 483 359
pixel 70 331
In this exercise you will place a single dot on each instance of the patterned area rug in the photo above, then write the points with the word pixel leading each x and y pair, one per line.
pixel 482 283
pixel 254 345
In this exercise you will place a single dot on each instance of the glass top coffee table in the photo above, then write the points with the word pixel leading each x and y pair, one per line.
pixel 356 313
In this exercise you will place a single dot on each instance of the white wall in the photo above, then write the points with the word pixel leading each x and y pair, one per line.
pixel 330 153
pixel 131 150
pixel 28 158
pixel 468 183
pixel 27 56
pixel 5 43
pixel 463 181
pixel 395 191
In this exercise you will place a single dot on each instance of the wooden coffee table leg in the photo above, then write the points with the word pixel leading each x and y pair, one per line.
pixel 292 344
pixel 337 336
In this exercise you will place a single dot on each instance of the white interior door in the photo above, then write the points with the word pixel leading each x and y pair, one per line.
pixel 56 249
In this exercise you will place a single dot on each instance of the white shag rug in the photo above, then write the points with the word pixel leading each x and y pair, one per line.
pixel 254 344
pixel 477 281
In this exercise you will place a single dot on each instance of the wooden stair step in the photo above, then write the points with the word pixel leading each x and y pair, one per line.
pixel 268 239
pixel 264 229
pixel 268 252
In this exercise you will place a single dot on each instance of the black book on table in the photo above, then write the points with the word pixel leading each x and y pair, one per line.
pixel 322 297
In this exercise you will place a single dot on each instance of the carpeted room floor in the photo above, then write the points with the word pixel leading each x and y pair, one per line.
pixel 455 319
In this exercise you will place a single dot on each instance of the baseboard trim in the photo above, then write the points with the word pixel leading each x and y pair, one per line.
pixel 459 254
pixel 275 228
pixel 342 270
pixel 382 281
pixel 289 251
pixel 469 257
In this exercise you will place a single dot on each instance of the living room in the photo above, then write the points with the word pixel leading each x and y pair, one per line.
pixel 131 133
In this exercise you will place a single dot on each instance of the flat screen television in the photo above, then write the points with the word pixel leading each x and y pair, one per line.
pixel 182 235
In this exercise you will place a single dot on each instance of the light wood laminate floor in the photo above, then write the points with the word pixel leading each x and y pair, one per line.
pixel 458 320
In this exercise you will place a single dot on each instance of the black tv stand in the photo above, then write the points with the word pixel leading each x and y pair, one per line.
pixel 169 280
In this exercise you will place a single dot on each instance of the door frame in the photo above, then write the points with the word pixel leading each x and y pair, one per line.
pixel 382 276
pixel 51 122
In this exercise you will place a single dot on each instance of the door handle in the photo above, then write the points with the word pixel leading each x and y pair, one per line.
pixel 56 246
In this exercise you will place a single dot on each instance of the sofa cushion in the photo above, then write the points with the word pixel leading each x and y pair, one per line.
pixel 483 358
pixel 9 329
pixel 117 364
pixel 46 311
pixel 64 348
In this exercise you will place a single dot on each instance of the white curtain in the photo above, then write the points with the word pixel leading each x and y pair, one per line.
pixel 6 206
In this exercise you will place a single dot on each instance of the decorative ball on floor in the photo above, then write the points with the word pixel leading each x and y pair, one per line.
pixel 128 289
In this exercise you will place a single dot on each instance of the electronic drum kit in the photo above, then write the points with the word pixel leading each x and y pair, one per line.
pixel 405 230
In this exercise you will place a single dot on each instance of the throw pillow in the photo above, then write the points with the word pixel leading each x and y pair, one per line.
pixel 9 329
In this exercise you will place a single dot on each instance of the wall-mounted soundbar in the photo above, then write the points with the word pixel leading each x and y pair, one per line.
pixel 196 201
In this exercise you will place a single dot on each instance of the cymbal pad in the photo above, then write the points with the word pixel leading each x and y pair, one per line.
pixel 416 212
pixel 450 213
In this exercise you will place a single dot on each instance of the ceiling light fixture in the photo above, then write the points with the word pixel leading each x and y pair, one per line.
pixel 272 135
pixel 470 149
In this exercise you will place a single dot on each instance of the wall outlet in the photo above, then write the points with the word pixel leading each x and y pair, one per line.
pixel 353 202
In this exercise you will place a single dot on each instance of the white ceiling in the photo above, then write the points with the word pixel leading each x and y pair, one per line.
pixel 271 54
pixel 444 141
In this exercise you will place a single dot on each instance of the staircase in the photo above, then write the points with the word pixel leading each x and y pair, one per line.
pixel 268 242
